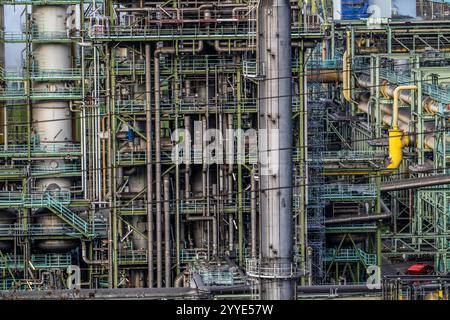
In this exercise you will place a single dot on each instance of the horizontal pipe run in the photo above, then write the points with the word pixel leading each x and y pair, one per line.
pixel 415 183
pixel 359 218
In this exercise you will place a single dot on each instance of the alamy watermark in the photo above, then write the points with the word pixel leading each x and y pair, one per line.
pixel 228 146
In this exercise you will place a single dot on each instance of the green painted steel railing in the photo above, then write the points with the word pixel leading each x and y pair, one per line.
pixel 66 215
pixel 130 106
pixel 42 74
pixel 39 261
pixel 37 229
pixel 346 191
pixel 36 36
pixel 433 91
pixel 349 155
pixel 70 93
pixel 56 201
pixel 51 149
pixel 131 157
pixel 349 255
pixel 132 257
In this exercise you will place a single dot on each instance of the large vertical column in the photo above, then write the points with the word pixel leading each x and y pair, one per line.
pixel 51 119
pixel 275 273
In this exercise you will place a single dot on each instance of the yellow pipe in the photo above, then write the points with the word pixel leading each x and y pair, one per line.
pixel 395 148
pixel 396 139
pixel 346 78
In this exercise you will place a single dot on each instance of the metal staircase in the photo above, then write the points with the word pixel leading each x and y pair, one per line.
pixel 67 215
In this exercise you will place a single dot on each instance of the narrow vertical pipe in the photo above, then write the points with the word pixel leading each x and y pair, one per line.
pixel 187 148
pixel 109 166
pixel 112 177
pixel 253 226
pixel 167 258
pixel 239 167
pixel 230 232
pixel 148 128
pixel 158 173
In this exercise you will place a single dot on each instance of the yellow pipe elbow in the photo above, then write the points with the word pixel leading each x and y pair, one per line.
pixel 396 145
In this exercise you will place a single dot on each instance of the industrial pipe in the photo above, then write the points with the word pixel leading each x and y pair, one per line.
pixel 364 218
pixel 87 260
pixel 396 140
pixel 415 183
pixel 219 48
pixel 167 256
pixel 253 219
pixel 346 77
pixel 148 132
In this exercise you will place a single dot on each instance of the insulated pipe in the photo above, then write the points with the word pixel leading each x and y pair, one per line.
pixel 415 183
pixel 403 124
pixel 325 76
pixel 359 218
pixel 335 289
pixel 167 231
pixel 396 142
pixel 148 132
pixel 396 100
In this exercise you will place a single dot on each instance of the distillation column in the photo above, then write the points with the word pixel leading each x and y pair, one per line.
pixel 275 270
pixel 52 123
pixel 52 119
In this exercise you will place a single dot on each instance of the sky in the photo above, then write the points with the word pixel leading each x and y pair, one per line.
pixel 12 24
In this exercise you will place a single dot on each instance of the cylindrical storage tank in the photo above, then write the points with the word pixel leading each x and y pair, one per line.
pixel 51 119
pixel 54 56
pixel 52 224
pixel 54 184
pixel 7 218
pixel 50 19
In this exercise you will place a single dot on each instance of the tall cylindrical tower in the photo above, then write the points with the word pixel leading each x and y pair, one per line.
pixel 52 123
pixel 51 119
pixel 275 269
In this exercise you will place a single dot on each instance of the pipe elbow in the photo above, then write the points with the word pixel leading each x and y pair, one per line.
pixel 396 143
